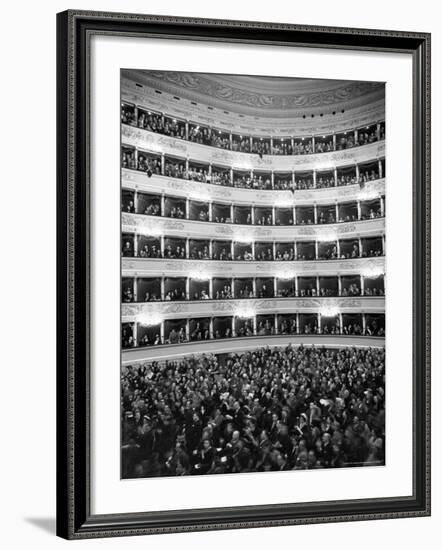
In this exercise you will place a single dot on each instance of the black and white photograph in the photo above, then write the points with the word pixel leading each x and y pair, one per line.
pixel 253 254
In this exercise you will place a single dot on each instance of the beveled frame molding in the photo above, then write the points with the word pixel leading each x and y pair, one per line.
pixel 74 31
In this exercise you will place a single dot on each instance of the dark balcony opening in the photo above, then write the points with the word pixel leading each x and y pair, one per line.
pixel 370 210
pixel 243 288
pixel 148 335
pixel 222 327
pixel 174 289
pixel 330 324
pixel 242 178
pixel 287 324
pixel 199 290
pixel 148 290
pixel 127 245
pixel 306 251
pixel 175 331
pixel 174 127
pixel 285 288
pixel 302 146
pixel 308 323
pixel 307 286
pixel 242 215
pixel 128 158
pixel 326 214
pixel 323 144
pixel 349 248
pixel 127 336
pixel 264 251
pixel 265 287
pixel 282 146
pixel 327 251
pixel 284 251
pixel 242 251
pixel 374 286
pixel 367 134
pixel 262 181
pixel 261 146
pixel 369 171
pixel 149 163
pixel 174 167
pixel 372 246
pixel 198 171
pixel 174 248
pixel 221 250
pixel 345 140
pixel 199 211
pixel 282 181
pixel 222 288
pixel 265 325
pixel 221 176
pixel 149 247
pixel 283 216
pixel 263 216
pixel 128 201
pixel 175 207
pixel 127 290
pixel 303 180
pixel 375 324
pixel 199 329
pixel 346 176
pixel 350 285
pixel 305 215
pixel 328 286
pixel 149 205
pixel 221 213
pixel 352 324
pixel 128 114
pixel 241 143
pixel 199 249
pixel 243 326
pixel 348 212
pixel 325 179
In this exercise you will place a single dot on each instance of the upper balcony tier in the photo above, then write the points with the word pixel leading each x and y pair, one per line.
pixel 159 143
pixel 198 191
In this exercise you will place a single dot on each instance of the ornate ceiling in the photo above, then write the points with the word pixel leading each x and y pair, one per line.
pixel 264 97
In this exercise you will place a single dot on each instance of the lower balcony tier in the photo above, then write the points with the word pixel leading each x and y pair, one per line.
pixel 153 329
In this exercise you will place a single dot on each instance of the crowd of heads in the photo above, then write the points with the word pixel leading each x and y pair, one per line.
pixel 176 128
pixel 277 409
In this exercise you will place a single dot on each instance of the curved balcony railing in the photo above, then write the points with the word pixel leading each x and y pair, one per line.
pixel 239 345
pixel 148 120
pixel 134 180
pixel 132 267
pixel 253 307
pixel 159 212
pixel 151 143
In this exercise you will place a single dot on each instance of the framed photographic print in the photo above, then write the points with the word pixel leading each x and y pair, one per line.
pixel 243 274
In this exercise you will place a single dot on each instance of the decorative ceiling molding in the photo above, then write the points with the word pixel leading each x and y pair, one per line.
pixel 273 97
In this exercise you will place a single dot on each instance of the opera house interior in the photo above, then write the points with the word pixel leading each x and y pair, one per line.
pixel 253 234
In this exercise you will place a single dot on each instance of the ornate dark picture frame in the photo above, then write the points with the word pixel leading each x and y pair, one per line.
pixel 74 32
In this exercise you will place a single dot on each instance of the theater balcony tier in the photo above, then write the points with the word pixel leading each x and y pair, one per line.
pixel 134 180
pixel 214 308
pixel 155 226
pixel 240 345
pixel 139 267
pixel 174 147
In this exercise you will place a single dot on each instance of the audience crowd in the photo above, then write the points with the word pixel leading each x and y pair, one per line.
pixel 265 410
